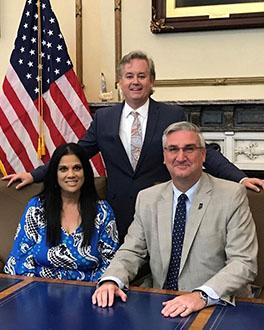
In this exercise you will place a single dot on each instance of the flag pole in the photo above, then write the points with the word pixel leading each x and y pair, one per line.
pixel 41 142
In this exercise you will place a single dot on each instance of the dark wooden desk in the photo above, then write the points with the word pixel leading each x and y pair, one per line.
pixel 41 304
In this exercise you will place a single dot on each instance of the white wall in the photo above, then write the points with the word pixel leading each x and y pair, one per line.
pixel 207 54
pixel 98 46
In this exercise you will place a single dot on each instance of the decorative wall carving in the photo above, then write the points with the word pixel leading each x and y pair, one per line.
pixel 244 149
pixel 252 150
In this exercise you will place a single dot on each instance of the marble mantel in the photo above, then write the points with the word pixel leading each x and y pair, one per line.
pixel 235 115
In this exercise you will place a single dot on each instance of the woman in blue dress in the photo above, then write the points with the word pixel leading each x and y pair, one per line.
pixel 65 231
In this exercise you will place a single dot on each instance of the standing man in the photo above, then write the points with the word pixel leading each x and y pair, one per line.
pixel 197 232
pixel 129 137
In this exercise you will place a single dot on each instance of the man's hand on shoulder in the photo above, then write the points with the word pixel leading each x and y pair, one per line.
pixel 105 294
pixel 253 183
pixel 24 177
pixel 183 305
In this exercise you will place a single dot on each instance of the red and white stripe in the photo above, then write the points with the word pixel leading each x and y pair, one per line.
pixel 66 119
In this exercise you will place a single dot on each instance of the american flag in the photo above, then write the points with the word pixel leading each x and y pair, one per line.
pixel 40 65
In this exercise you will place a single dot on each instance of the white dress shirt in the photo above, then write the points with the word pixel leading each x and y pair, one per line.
pixel 126 124
pixel 213 297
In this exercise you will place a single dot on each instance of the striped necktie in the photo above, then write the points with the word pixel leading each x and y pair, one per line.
pixel 177 243
pixel 136 139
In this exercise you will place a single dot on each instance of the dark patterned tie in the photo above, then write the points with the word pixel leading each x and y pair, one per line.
pixel 177 243
pixel 136 139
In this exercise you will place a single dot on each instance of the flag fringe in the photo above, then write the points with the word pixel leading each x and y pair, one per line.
pixel 2 168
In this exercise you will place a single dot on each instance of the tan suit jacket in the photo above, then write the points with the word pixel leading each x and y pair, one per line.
pixel 220 243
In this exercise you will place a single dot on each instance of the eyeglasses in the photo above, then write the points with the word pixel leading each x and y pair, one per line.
pixel 187 149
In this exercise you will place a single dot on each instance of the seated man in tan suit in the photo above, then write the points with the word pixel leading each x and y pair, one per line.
pixel 196 230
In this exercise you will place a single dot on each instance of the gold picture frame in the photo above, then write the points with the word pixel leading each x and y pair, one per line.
pixel 180 15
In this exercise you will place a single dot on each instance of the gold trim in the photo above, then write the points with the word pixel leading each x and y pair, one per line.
pixel 79 44
pixel 118 37
pixel 213 11
pixel 118 5
pixel 156 25
pixel 79 34
pixel 209 82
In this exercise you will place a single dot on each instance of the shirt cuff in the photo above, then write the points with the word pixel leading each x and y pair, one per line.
pixel 243 179
pixel 119 283
pixel 213 298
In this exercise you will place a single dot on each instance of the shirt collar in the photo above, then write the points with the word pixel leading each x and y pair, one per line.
pixel 142 111
pixel 189 193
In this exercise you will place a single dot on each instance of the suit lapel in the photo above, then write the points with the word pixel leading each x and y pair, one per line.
pixel 164 213
pixel 116 113
pixel 198 208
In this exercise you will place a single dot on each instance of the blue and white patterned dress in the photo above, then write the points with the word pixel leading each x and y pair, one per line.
pixel 31 256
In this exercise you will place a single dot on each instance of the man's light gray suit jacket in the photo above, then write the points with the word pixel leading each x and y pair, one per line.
pixel 220 243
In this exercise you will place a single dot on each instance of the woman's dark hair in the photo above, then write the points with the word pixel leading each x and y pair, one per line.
pixel 51 195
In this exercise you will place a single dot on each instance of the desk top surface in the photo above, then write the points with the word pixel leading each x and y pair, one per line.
pixel 244 315
pixel 37 304
pixel 57 306
pixel 7 282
